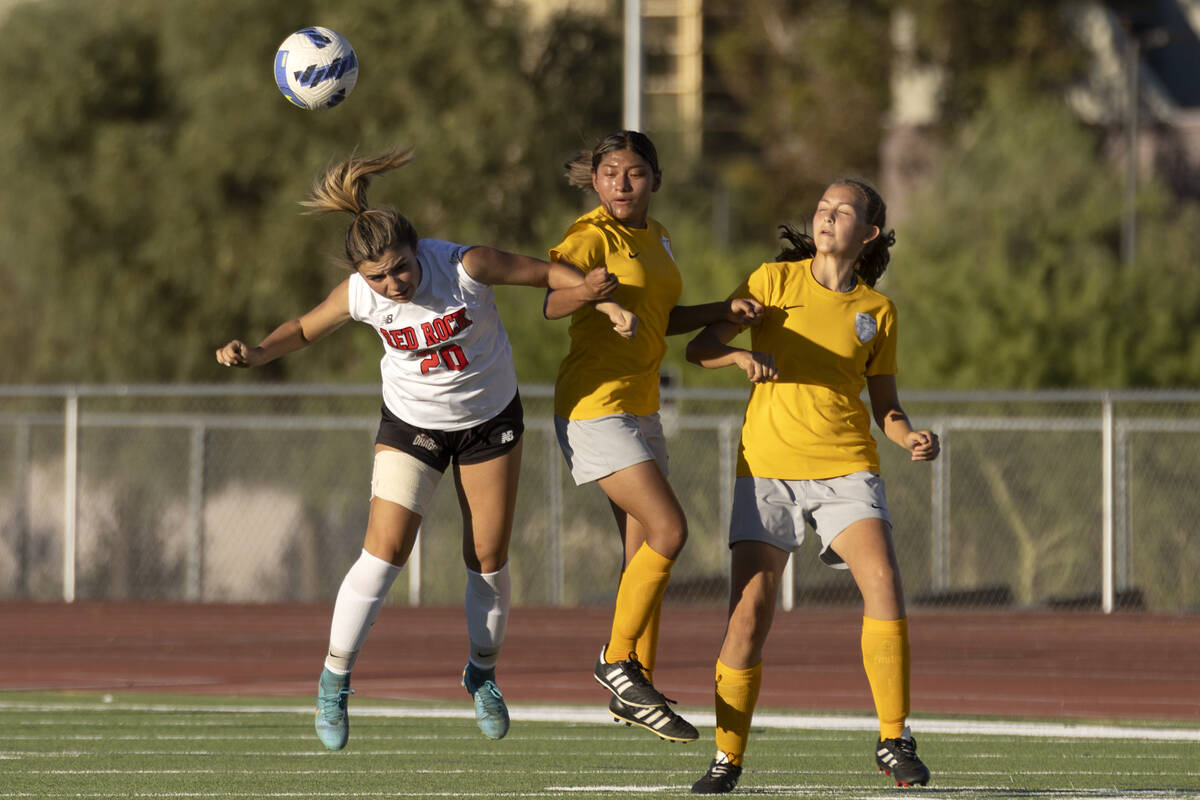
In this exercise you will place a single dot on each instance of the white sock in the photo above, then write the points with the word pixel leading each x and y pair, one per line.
pixel 488 596
pixel 363 591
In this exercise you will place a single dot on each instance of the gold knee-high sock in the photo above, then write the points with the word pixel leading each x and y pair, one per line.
pixel 886 660
pixel 647 644
pixel 638 598
pixel 737 694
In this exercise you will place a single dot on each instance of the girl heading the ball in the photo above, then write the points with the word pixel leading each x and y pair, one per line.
pixel 449 397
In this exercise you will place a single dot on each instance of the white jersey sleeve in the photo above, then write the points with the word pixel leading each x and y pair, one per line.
pixel 447 362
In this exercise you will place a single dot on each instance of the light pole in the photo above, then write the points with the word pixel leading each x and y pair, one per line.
pixel 1133 55
pixel 1140 37
pixel 633 65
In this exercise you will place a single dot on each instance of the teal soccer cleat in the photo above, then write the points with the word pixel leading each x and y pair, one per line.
pixel 333 721
pixel 490 712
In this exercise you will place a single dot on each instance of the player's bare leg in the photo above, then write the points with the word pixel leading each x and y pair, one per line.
pixel 756 569
pixel 866 547
pixel 487 496
pixel 657 518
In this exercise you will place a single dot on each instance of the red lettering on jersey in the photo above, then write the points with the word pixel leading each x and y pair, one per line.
pixel 453 357
pixel 442 328
pixel 459 320
pixel 400 338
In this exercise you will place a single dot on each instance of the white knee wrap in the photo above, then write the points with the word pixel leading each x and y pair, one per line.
pixel 405 480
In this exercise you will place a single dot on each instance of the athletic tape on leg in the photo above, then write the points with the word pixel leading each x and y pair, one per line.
pixel 402 479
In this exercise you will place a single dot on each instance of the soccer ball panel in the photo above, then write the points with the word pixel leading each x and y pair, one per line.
pixel 316 68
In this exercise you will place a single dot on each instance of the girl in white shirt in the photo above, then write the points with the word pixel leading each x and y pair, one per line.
pixel 449 396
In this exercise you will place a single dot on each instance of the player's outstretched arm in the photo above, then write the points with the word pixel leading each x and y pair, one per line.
pixel 569 287
pixel 738 310
pixel 710 349
pixel 329 315
pixel 491 266
pixel 598 284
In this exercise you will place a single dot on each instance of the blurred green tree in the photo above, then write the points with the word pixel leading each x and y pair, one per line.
pixel 809 86
pixel 970 41
pixel 151 169
pixel 1008 275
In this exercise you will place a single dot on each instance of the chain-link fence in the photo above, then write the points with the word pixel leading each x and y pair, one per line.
pixel 216 493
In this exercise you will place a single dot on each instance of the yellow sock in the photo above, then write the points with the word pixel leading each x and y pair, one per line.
pixel 638 597
pixel 737 694
pixel 647 644
pixel 886 660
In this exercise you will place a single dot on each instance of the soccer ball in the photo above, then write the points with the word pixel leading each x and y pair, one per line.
pixel 316 68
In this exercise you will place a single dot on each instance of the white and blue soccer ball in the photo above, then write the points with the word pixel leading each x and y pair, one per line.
pixel 316 68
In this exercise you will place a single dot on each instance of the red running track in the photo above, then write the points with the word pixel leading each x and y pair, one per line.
pixel 1034 663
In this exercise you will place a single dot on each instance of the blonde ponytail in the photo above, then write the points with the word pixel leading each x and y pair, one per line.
pixel 373 231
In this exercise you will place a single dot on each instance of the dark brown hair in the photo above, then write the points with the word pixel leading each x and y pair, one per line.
pixel 873 260
pixel 581 168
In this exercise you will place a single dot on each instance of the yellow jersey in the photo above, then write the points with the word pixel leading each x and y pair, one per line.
pixel 602 373
pixel 811 422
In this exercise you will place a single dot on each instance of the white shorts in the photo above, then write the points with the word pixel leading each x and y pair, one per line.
pixel 775 511
pixel 598 447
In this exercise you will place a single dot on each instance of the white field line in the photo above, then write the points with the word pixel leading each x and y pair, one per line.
pixel 839 792
pixel 591 714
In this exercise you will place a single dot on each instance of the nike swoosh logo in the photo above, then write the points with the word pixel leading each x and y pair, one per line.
pixel 785 308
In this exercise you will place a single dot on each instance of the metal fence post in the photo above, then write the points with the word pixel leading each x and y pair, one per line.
pixel 557 565
pixel 194 582
pixel 1107 497
pixel 939 502
pixel 70 492
pixel 1122 508
pixel 22 467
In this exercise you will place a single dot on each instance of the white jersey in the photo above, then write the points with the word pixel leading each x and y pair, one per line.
pixel 447 363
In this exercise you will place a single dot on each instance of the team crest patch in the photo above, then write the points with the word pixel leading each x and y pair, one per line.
pixel 865 327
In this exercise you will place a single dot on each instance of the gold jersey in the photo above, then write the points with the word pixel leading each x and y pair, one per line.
pixel 811 423
pixel 604 374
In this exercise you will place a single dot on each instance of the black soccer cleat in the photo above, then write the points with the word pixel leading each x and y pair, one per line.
pixel 898 758
pixel 721 777
pixel 627 681
pixel 662 721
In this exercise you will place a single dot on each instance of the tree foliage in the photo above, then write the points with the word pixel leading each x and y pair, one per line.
pixel 151 174
pixel 1008 275
pixel 151 169
pixel 810 88
pixel 970 41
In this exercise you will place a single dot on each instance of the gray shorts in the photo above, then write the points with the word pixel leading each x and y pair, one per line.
pixel 775 511
pixel 598 447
